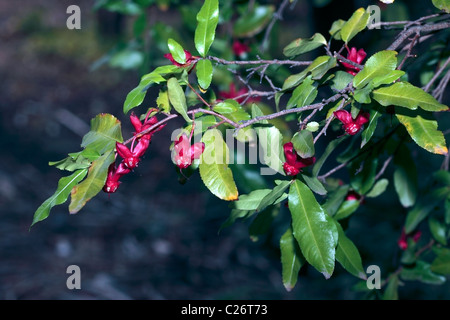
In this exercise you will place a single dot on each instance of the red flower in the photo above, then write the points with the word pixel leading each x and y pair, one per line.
pixel 232 93
pixel 294 163
pixel 403 241
pixel 355 56
pixel 189 59
pixel 114 174
pixel 350 125
pixel 184 153
pixel 240 48
pixel 352 195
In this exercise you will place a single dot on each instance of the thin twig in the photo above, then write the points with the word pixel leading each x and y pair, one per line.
pixel 276 16
pixel 260 61
pixel 436 75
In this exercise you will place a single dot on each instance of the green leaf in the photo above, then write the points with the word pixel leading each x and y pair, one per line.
pixel 357 22
pixel 291 260
pixel 423 207
pixel 60 196
pixel 253 22
pixel 378 65
pixel 370 127
pixel 317 68
pixel 273 196
pixel 303 95
pixel 424 132
pixel 177 51
pixel 93 184
pixel 234 215
pixel 438 230
pixel 251 201
pixel 177 98
pixel 313 229
pixel 207 20
pixel 105 132
pixel 379 187
pixel 235 112
pixel 335 200
pixel 72 163
pixel 346 209
pixel 405 177
pixel 136 96
pixel 391 292
pixel 422 272
pixel 347 254
pixel 262 222
pixel 314 184
pixel 214 170
pixel 442 5
pixel 387 78
pixel 441 264
pixel 162 102
pixel 204 73
pixel 335 30
pixel 341 80
pixel 300 45
pixel 303 142
pixel 363 95
pixel 406 95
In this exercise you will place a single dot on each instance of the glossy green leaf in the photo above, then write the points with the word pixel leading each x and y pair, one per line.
pixel 207 20
pixel 105 132
pixel 347 254
pixel 363 95
pixel 60 196
pixel 335 199
pixel 253 22
pixel 251 201
pixel 93 184
pixel 235 112
pixel 347 208
pixel 378 65
pixel 313 229
pixel 214 170
pixel 357 22
pixel 291 260
pixel 379 187
pixel 177 51
pixel 425 133
pixel 314 184
pixel 370 127
pixel 177 98
pixel 303 142
pixel 424 206
pixel 300 46
pixel 406 95
pixel 387 78
pixel 274 195
pixel 405 177
pixel 204 71
pixel 303 95
pixel 442 5
pixel 422 272
pixel 441 264
pixel 438 230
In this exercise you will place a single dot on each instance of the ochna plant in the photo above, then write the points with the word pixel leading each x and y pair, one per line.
pixel 307 122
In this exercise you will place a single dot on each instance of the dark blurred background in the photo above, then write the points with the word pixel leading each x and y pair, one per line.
pixel 154 238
